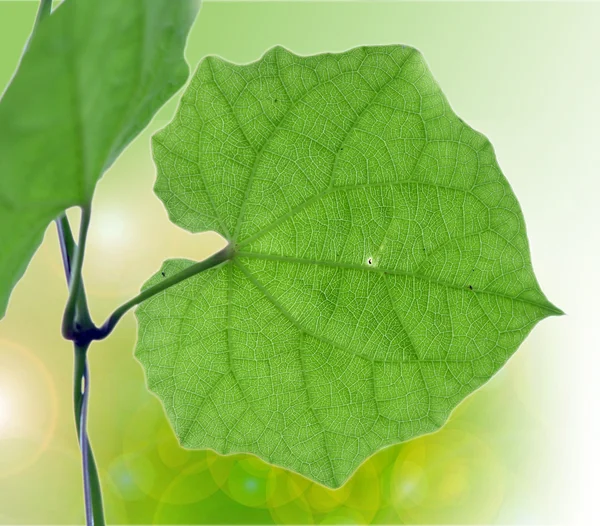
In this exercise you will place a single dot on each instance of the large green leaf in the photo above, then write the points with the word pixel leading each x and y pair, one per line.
pixel 381 272
pixel 92 77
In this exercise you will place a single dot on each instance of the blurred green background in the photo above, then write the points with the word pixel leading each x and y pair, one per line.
pixel 513 70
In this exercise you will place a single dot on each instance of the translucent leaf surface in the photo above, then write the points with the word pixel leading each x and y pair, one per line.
pixel 381 272
pixel 94 74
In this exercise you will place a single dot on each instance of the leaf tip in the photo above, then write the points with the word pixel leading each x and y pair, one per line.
pixel 555 311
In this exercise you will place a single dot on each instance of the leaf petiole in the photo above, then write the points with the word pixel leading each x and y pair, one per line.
pixel 216 259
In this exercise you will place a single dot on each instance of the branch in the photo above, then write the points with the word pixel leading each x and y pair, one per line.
pixel 214 260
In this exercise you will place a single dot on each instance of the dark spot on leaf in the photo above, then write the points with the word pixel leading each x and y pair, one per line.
pixel 471 287
pixel 163 274
pixel 276 100
pixel 370 261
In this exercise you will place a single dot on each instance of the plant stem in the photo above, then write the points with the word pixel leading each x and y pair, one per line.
pixel 67 243
pixel 76 314
pixel 83 445
pixel 78 326
pixel 67 249
pixel 214 260
pixel 81 385
pixel 43 10
pixel 92 491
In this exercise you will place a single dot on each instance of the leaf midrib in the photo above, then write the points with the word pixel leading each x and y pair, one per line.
pixel 384 271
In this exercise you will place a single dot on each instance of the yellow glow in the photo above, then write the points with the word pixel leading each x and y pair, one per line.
pixel 411 487
pixel 437 478
pixel 285 486
pixel 28 408
pixel 112 228
pixel 193 484
pixel 6 412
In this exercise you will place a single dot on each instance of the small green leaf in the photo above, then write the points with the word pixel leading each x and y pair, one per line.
pixel 381 273
pixel 93 75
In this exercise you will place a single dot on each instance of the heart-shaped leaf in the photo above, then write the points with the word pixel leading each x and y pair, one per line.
pixel 380 274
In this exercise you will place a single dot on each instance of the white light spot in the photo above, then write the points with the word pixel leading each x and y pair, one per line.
pixel 112 229
pixel 6 413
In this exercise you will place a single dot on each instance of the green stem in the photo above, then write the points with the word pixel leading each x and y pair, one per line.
pixel 77 316
pixel 68 248
pixel 78 326
pixel 214 260
pixel 92 489
pixel 43 11
pixel 67 243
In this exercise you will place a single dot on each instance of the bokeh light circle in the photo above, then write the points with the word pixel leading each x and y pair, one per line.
pixel 285 486
pixel 169 450
pixel 193 484
pixel 220 466
pixel 344 515
pixel 132 476
pixel 448 476
pixel 28 408
pixel 322 499
pixel 297 511
pixel 247 482
pixel 155 465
